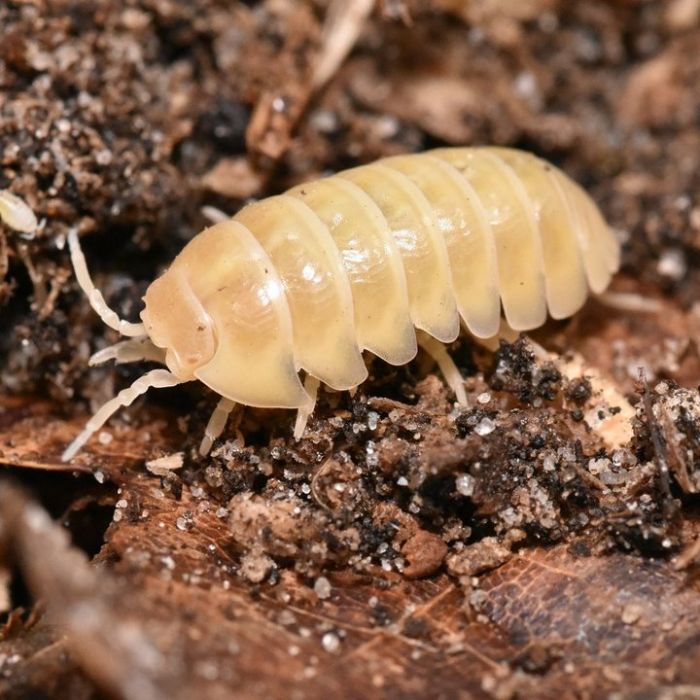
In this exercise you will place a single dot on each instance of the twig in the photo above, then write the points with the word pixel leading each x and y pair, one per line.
pixel 341 30
pixel 275 117
pixel 688 556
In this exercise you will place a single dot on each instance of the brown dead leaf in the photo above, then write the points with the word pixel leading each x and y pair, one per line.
pixel 196 628
pixel 33 436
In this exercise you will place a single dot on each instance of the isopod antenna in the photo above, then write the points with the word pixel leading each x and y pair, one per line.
pixel 97 301
pixel 155 379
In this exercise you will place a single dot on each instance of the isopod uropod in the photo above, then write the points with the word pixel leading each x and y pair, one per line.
pixel 382 257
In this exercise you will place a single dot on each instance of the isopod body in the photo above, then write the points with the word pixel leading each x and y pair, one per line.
pixel 380 258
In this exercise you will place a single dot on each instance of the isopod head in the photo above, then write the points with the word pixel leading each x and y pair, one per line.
pixel 221 315
pixel 176 321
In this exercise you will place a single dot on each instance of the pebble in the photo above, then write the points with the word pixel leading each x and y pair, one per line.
pixel 464 484
pixel 330 642
pixel 485 427
pixel 322 588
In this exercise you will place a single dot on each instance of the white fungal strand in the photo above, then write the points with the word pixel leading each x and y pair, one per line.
pixel 381 258
pixel 16 213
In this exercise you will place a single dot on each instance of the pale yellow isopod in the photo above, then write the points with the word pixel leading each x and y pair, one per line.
pixel 15 212
pixel 380 258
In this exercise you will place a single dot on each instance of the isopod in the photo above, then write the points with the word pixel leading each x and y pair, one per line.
pixel 16 213
pixel 380 258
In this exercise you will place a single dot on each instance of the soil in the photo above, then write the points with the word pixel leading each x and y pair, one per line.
pixel 541 543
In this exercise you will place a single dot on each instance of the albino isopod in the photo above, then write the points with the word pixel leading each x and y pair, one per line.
pixel 16 213
pixel 383 258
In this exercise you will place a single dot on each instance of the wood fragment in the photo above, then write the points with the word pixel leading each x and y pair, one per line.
pixel 278 111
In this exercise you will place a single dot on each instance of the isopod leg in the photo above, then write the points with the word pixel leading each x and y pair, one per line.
pixel 449 369
pixel 94 295
pixel 626 301
pixel 129 351
pixel 539 351
pixel 216 424
pixel 311 385
pixel 155 379
pixel 505 332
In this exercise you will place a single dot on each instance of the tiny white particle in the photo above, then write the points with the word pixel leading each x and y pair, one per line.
pixel 485 427
pixel 464 484
pixel 672 264
pixel 330 642
pixel 324 121
pixel 322 588
pixel 183 522
pixel 661 388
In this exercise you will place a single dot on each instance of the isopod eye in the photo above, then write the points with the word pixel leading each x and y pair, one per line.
pixel 175 320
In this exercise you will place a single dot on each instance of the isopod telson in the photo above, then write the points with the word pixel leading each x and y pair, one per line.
pixel 382 257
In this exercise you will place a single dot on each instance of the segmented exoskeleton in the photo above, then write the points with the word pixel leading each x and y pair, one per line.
pixel 380 258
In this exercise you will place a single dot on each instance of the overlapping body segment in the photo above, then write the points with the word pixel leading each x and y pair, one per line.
pixel 417 241
pixel 468 237
pixel 381 258
pixel 316 287
pixel 371 262
pixel 244 299
pixel 420 243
